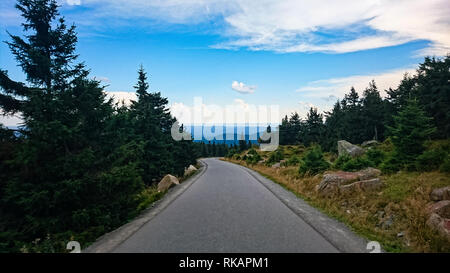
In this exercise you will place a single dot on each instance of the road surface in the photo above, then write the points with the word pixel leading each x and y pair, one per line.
pixel 226 210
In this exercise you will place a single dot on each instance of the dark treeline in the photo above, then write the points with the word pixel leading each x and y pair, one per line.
pixel 222 149
pixel 358 119
pixel 79 162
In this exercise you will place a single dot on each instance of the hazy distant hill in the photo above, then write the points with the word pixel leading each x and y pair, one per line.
pixel 230 134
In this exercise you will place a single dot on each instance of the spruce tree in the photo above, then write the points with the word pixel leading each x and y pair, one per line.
pixel 313 129
pixel 411 128
pixel 372 113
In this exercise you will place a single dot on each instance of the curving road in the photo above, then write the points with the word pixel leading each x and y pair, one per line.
pixel 226 210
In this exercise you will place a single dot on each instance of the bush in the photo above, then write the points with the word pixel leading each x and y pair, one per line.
pixel 252 157
pixel 430 160
pixel 276 156
pixel 376 156
pixel 313 162
pixel 445 166
pixel 292 161
pixel 372 158
pixel 392 163
pixel 357 163
pixel 340 161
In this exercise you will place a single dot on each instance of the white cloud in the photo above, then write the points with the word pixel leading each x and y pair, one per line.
pixel 10 121
pixel 102 79
pixel 242 87
pixel 239 111
pixel 73 2
pixel 294 25
pixel 331 89
pixel 121 96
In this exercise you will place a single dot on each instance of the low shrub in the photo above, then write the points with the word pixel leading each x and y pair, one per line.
pixel 391 164
pixel 445 166
pixel 376 156
pixel 430 160
pixel 340 161
pixel 276 156
pixel 313 162
pixel 357 163
pixel 252 157
pixel 292 161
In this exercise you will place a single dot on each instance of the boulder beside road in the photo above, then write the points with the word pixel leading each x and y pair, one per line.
pixel 188 171
pixel 167 182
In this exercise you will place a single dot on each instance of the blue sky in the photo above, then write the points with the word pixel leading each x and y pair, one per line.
pixel 294 54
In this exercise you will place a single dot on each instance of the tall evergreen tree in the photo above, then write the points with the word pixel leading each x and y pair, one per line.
pixel 433 87
pixel 372 113
pixel 412 127
pixel 313 129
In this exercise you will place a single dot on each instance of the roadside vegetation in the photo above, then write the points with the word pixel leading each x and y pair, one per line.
pixel 79 165
pixel 405 135
pixel 395 215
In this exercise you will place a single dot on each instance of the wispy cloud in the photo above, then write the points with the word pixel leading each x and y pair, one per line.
pixel 290 25
pixel 332 89
pixel 243 88
pixel 73 2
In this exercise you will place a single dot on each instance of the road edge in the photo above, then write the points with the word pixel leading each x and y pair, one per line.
pixel 109 241
pixel 337 233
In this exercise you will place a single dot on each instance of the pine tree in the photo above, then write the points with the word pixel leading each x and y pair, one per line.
pixel 372 113
pixel 433 89
pixel 313 129
pixel 334 127
pixel 412 127
pixel 153 122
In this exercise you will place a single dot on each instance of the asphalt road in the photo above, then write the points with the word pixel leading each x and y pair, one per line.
pixel 226 210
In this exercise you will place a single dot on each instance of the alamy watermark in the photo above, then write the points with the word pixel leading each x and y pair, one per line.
pixel 208 122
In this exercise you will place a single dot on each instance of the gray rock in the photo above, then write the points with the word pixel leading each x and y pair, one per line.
pixel 346 148
pixel 276 165
pixel 388 222
pixel 440 224
pixel 440 194
pixel 370 143
pixel 334 182
pixel 365 185
pixel 368 173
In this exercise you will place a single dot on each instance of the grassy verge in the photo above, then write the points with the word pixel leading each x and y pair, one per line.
pixel 394 216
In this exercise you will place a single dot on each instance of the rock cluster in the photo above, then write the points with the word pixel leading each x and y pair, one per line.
pixel 439 211
pixel 340 181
